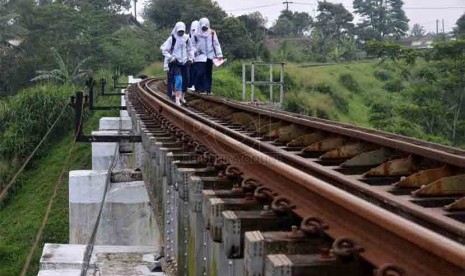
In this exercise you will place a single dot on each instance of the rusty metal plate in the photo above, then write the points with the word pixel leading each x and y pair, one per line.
pixel 348 151
pixel 453 185
pixel 459 204
pixel 307 139
pixel 398 167
pixel 424 177
pixel 325 145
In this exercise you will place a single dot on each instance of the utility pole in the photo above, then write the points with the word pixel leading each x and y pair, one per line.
pixel 287 4
pixel 437 26
pixel 135 9
pixel 443 25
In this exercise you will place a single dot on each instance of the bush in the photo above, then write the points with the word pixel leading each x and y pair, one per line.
pixel 320 113
pixel 26 117
pixel 226 84
pixel 394 85
pixel 341 103
pixel 348 81
pixel 298 102
pixel 382 75
pixel 323 87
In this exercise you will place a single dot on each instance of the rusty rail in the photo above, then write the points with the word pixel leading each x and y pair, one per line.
pixel 384 236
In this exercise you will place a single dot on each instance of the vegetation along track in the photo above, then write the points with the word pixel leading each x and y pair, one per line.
pixel 396 201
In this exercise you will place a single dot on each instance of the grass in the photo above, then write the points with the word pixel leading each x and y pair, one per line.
pixel 24 211
pixel 154 70
pixel 309 77
pixel 336 101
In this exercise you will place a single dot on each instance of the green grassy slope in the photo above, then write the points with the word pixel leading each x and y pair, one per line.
pixel 314 89
pixel 21 217
pixel 311 78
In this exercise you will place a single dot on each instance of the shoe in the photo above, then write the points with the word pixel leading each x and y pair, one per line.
pixel 192 89
pixel 177 101
pixel 182 99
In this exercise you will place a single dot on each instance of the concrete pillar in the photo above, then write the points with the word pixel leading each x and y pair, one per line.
pixel 115 123
pixel 131 79
pixel 127 217
pixel 123 113
pixel 103 153
pixel 86 189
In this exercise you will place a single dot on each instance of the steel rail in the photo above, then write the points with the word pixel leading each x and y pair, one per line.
pixel 440 223
pixel 386 237
pixel 429 150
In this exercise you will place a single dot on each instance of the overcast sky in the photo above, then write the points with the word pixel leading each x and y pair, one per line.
pixel 423 12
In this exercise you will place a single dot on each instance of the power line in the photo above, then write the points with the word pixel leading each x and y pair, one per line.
pixel 433 8
pixel 253 8
pixel 287 3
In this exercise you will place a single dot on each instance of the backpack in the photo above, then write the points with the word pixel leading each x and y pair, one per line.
pixel 173 43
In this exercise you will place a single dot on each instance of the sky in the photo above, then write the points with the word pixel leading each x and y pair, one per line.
pixel 423 12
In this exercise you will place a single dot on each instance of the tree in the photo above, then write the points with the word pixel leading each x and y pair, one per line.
pixel 254 23
pixel 333 21
pixel 417 31
pixel 233 47
pixel 292 24
pixel 76 29
pixel 381 19
pixel 283 27
pixel 460 29
pixel 333 28
pixel 113 6
pixel 63 74
pixel 10 27
pixel 165 13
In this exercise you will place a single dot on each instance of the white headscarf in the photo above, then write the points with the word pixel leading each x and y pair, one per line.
pixel 194 27
pixel 180 26
pixel 204 22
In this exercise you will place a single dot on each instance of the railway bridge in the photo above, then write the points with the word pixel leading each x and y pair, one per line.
pixel 219 187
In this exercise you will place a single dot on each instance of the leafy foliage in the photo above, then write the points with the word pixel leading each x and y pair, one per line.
pixel 291 23
pixel 381 19
pixel 349 82
pixel 63 74
pixel 417 30
pixel 165 13
pixel 77 29
pixel 27 116
pixel 333 31
pixel 432 92
pixel 460 29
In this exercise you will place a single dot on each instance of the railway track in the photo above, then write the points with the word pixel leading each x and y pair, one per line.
pixel 396 202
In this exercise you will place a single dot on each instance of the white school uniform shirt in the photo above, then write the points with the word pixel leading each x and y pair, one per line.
pixel 182 50
pixel 205 45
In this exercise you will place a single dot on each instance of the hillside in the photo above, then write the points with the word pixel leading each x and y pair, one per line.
pixel 22 214
pixel 342 92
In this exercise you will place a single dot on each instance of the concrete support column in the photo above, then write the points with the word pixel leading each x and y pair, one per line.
pixel 86 190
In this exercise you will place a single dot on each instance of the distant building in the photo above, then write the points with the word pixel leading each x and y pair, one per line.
pixel 426 41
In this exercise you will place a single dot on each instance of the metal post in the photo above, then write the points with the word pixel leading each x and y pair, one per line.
pixel 78 112
pixel 252 97
pixel 271 83
pixel 281 86
pixel 243 82
pixel 91 95
pixel 115 80
pixel 103 83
